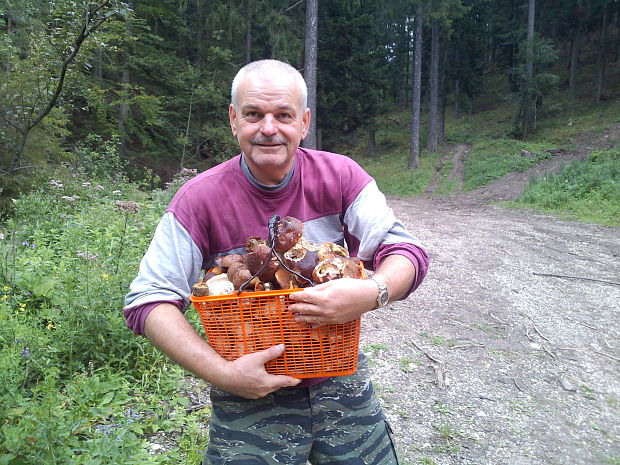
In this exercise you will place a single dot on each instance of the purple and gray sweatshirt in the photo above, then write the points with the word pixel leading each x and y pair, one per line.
pixel 216 212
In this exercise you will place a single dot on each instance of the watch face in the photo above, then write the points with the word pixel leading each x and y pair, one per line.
pixel 383 298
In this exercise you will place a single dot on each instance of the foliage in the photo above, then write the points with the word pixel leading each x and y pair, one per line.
pixel 588 190
pixel 351 77
pixel 79 388
pixel 42 50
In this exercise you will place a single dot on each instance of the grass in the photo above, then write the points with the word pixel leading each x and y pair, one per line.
pixel 587 190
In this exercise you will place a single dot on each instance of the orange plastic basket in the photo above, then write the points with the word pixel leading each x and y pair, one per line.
pixel 240 324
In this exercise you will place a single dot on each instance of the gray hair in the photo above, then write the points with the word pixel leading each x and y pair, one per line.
pixel 269 69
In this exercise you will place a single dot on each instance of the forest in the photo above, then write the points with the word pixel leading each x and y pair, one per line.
pixel 151 79
pixel 108 106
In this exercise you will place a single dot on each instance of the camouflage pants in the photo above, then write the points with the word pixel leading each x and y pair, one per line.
pixel 339 421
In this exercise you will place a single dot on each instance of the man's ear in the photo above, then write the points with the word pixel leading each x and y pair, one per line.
pixel 232 116
pixel 305 123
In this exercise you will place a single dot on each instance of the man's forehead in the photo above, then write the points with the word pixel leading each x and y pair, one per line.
pixel 255 91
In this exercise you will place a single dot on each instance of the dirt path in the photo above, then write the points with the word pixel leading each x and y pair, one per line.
pixel 509 353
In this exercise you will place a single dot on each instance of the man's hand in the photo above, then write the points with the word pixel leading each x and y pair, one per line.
pixel 247 377
pixel 337 301
pixel 345 299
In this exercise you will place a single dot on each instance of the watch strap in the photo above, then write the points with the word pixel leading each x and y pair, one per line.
pixel 382 296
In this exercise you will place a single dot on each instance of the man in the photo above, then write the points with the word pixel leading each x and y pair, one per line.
pixel 258 417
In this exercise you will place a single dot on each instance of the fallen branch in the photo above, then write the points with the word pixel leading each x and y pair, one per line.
pixel 517 385
pixel 576 277
pixel 437 367
pixel 439 376
pixel 467 346
pixel 431 358
pixel 539 333
pixel 548 351
pixel 499 320
pixel 607 355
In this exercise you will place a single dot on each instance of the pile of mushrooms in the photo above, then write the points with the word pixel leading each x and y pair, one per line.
pixel 287 261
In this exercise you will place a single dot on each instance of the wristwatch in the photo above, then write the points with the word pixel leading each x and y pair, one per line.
pixel 383 297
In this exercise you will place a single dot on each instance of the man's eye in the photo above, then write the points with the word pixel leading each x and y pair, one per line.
pixel 285 117
pixel 252 116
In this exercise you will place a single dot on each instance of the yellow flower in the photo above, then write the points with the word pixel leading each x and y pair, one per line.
pixel 6 288
pixel 5 297
pixel 50 326
pixel 105 276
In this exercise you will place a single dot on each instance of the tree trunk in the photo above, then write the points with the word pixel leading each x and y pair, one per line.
pixel 600 58
pixel 617 36
pixel 98 63
pixel 403 66
pixel 310 67
pixel 574 56
pixel 371 148
pixel 416 83
pixel 457 96
pixel 528 110
pixel 443 91
pixel 432 143
pixel 123 108
pixel 248 31
pixel 457 84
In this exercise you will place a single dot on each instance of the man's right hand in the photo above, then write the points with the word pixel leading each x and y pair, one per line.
pixel 247 377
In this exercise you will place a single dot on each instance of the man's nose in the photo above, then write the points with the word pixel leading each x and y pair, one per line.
pixel 268 126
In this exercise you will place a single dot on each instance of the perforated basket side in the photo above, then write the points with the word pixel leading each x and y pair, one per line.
pixel 238 325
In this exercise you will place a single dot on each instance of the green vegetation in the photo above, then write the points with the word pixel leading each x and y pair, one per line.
pixel 588 190
pixel 78 386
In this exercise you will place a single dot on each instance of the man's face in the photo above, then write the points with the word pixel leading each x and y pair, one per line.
pixel 269 124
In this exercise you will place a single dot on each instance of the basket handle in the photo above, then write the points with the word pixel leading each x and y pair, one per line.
pixel 271 225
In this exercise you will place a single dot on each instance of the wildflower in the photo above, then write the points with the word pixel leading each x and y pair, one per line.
pixel 70 198
pixel 1 236
pixel 87 256
pixel 127 207
pixel 86 184
pixel 22 307
pixel 6 288
pixel 26 243
pixel 99 187
pixel 105 276
pixel 26 352
pixel 5 297
pixel 50 325
pixel 116 192
pixel 57 184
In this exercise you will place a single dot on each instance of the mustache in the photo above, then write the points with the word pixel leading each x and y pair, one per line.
pixel 269 140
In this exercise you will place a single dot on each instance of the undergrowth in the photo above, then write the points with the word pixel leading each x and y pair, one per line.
pixel 588 190
pixel 78 386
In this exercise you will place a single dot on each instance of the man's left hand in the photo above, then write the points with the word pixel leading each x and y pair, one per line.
pixel 337 301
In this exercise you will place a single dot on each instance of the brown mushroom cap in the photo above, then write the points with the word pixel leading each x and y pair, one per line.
pixel 302 258
pixel 228 260
pixel 287 231
pixel 257 258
